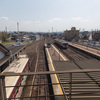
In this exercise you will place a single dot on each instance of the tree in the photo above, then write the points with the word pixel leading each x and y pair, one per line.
pixel 4 36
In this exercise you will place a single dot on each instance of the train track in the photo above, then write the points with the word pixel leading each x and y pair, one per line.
pixel 37 91
pixel 82 85
pixel 41 90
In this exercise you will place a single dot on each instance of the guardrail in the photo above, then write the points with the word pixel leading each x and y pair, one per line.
pixel 70 82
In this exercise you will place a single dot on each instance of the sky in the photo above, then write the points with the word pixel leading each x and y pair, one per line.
pixel 49 15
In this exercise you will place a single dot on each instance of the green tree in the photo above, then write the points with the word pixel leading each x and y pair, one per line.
pixel 3 36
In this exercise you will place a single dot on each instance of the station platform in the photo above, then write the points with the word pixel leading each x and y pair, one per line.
pixel 86 49
pixel 54 55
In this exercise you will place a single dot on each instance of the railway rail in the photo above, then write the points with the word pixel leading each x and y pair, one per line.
pixel 41 90
pixel 37 90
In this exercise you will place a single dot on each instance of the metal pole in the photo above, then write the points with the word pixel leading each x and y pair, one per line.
pixel 70 85
pixel 2 88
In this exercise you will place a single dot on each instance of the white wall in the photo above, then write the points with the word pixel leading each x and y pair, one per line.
pixel 1 55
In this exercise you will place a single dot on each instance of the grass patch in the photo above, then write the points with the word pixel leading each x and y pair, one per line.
pixel 8 42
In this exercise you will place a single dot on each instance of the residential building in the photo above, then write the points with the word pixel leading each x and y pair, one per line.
pixel 71 35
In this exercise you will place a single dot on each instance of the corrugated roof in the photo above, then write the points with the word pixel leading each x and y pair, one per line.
pixel 3 49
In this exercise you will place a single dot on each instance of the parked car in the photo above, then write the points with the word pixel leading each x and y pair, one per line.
pixel 17 44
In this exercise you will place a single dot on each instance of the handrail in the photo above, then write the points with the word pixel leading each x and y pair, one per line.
pixel 70 72
pixel 48 72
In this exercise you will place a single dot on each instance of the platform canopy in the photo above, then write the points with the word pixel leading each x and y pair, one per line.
pixel 3 49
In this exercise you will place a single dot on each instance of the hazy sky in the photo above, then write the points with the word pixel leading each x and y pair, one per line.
pixel 42 15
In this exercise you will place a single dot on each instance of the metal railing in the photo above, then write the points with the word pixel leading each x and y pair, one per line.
pixel 68 82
